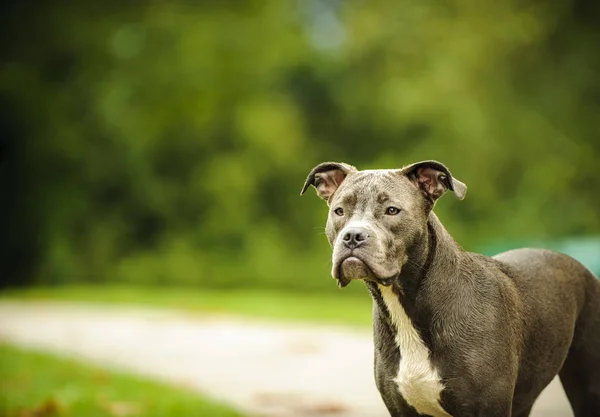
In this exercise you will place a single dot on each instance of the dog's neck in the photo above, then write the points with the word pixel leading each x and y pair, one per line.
pixel 427 256
pixel 434 257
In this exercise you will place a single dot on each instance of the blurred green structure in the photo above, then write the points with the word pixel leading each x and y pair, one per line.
pixel 585 250
pixel 166 142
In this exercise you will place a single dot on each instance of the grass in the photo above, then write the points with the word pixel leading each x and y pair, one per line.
pixel 36 384
pixel 335 307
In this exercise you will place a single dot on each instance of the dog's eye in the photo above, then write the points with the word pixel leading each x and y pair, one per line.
pixel 392 211
pixel 339 211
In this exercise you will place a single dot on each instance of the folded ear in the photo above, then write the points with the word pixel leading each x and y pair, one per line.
pixel 434 179
pixel 327 177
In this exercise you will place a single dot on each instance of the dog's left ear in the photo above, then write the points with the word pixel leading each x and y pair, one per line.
pixel 327 177
pixel 434 179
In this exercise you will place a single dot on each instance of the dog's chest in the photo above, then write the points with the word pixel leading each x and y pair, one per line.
pixel 418 381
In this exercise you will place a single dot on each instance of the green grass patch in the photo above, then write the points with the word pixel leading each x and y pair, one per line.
pixel 351 307
pixel 36 384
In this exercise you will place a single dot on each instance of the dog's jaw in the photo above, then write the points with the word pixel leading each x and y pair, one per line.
pixel 354 268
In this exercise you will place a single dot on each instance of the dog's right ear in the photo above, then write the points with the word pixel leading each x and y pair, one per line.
pixel 327 177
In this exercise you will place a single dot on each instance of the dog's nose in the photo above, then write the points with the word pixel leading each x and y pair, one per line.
pixel 354 237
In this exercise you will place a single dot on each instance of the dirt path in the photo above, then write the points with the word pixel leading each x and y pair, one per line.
pixel 266 369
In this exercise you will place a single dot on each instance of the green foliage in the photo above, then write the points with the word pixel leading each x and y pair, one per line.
pixel 166 142
pixel 35 384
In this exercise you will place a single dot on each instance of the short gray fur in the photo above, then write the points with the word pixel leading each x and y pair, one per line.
pixel 499 329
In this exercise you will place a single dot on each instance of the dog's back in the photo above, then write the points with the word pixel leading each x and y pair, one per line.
pixel 555 288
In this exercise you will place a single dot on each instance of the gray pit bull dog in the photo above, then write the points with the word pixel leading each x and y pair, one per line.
pixel 458 333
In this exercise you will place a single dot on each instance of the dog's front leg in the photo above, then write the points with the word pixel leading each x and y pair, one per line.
pixel 497 405
pixel 487 398
pixel 495 409
pixel 397 407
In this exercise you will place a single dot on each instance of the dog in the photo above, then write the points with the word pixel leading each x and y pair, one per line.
pixel 457 333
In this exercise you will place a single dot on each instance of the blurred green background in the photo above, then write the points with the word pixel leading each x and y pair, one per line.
pixel 165 143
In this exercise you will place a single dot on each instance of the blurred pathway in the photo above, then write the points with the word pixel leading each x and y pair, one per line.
pixel 263 368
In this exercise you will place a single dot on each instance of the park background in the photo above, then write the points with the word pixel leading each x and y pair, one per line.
pixel 166 142
pixel 150 148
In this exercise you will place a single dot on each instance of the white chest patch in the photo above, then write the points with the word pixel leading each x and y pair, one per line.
pixel 418 381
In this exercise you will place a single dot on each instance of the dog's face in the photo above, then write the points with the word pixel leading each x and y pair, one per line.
pixel 368 214
pixel 375 216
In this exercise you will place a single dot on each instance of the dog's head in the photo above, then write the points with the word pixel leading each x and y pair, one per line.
pixel 376 216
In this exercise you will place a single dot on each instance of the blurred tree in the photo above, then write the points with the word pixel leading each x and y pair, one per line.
pixel 166 142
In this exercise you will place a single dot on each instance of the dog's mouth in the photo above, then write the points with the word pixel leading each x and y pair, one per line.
pixel 353 268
